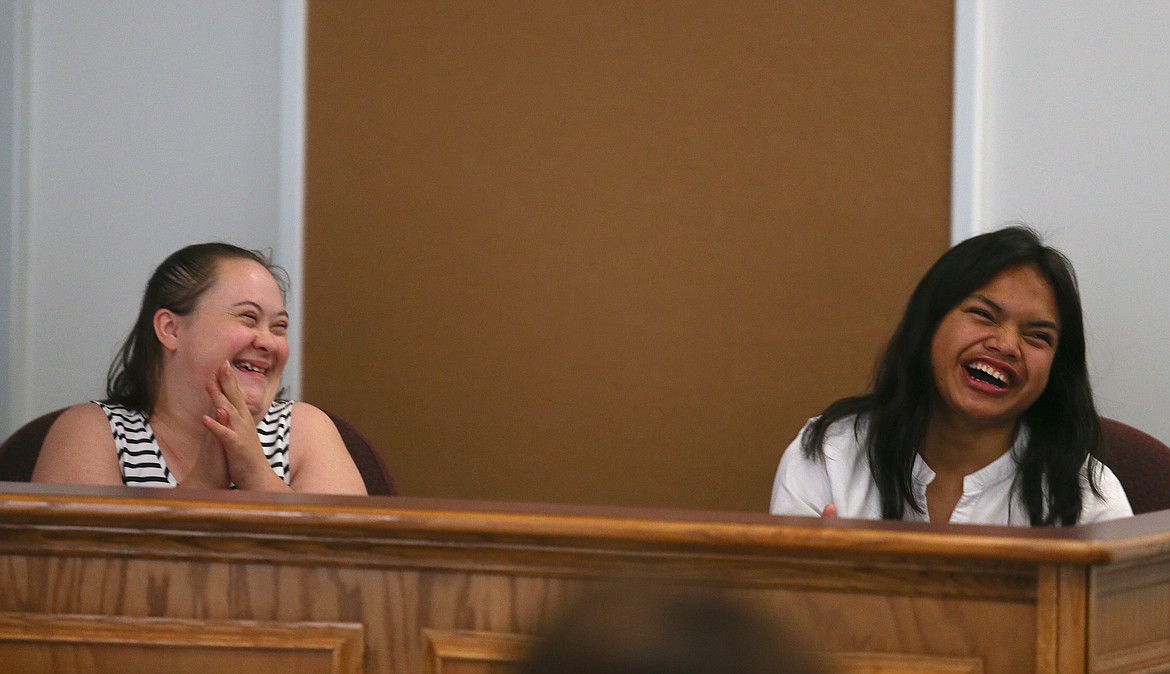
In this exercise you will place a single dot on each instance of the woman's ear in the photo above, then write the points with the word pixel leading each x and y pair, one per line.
pixel 166 328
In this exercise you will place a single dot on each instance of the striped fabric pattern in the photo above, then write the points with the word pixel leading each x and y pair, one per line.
pixel 141 459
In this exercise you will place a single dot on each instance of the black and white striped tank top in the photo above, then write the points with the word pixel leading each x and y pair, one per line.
pixel 142 461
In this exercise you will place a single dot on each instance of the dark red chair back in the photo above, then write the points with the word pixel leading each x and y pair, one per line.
pixel 1141 463
pixel 18 454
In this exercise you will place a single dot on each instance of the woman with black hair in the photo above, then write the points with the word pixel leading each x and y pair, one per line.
pixel 981 410
pixel 192 399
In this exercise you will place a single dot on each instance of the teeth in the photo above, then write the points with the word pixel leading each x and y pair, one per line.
pixel 248 367
pixel 991 372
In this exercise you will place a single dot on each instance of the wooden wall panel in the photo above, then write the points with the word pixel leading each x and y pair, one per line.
pixel 459 652
pixel 613 252
pixel 48 643
pixel 1125 640
pixel 400 585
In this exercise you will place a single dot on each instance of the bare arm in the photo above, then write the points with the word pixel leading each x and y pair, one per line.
pixel 318 460
pixel 79 449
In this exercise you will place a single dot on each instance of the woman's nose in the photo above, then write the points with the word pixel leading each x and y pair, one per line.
pixel 264 339
pixel 1006 342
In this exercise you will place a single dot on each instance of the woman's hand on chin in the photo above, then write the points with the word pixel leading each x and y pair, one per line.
pixel 232 425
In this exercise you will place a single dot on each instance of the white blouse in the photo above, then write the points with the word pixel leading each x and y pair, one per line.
pixel 805 486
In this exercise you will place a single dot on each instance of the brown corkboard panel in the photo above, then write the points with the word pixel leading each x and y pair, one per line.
pixel 613 252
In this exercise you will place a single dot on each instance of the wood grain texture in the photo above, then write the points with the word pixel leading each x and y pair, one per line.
pixel 450 652
pixel 882 663
pixel 1061 615
pixel 1128 632
pixel 460 586
pixel 56 642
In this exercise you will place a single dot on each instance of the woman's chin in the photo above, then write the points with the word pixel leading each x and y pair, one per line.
pixel 257 405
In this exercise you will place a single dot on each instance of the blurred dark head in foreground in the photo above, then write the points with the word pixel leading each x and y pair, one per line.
pixel 637 631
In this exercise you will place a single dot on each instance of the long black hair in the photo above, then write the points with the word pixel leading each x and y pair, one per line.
pixel 1064 430
pixel 176 284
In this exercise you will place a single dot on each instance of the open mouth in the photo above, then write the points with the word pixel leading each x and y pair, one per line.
pixel 250 367
pixel 989 375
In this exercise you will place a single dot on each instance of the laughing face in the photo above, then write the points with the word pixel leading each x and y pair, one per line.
pixel 993 351
pixel 240 319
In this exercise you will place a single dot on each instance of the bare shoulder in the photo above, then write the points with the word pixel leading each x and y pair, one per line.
pixel 312 419
pixel 84 421
pixel 79 448
pixel 318 460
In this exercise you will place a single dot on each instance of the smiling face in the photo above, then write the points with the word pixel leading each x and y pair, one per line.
pixel 993 351
pixel 241 319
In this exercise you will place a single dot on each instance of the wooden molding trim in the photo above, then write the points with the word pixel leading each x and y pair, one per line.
pixel 894 663
pixel 1145 658
pixel 446 646
pixel 342 643
pixel 747 550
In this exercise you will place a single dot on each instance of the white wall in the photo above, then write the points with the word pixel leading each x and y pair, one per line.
pixel 1074 102
pixel 143 126
pixel 9 51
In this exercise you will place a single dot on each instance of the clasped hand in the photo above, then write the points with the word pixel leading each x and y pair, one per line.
pixel 233 430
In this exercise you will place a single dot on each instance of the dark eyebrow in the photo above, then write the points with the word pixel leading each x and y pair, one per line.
pixel 999 311
pixel 257 307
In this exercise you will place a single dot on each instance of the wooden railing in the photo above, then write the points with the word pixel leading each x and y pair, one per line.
pixel 100 579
